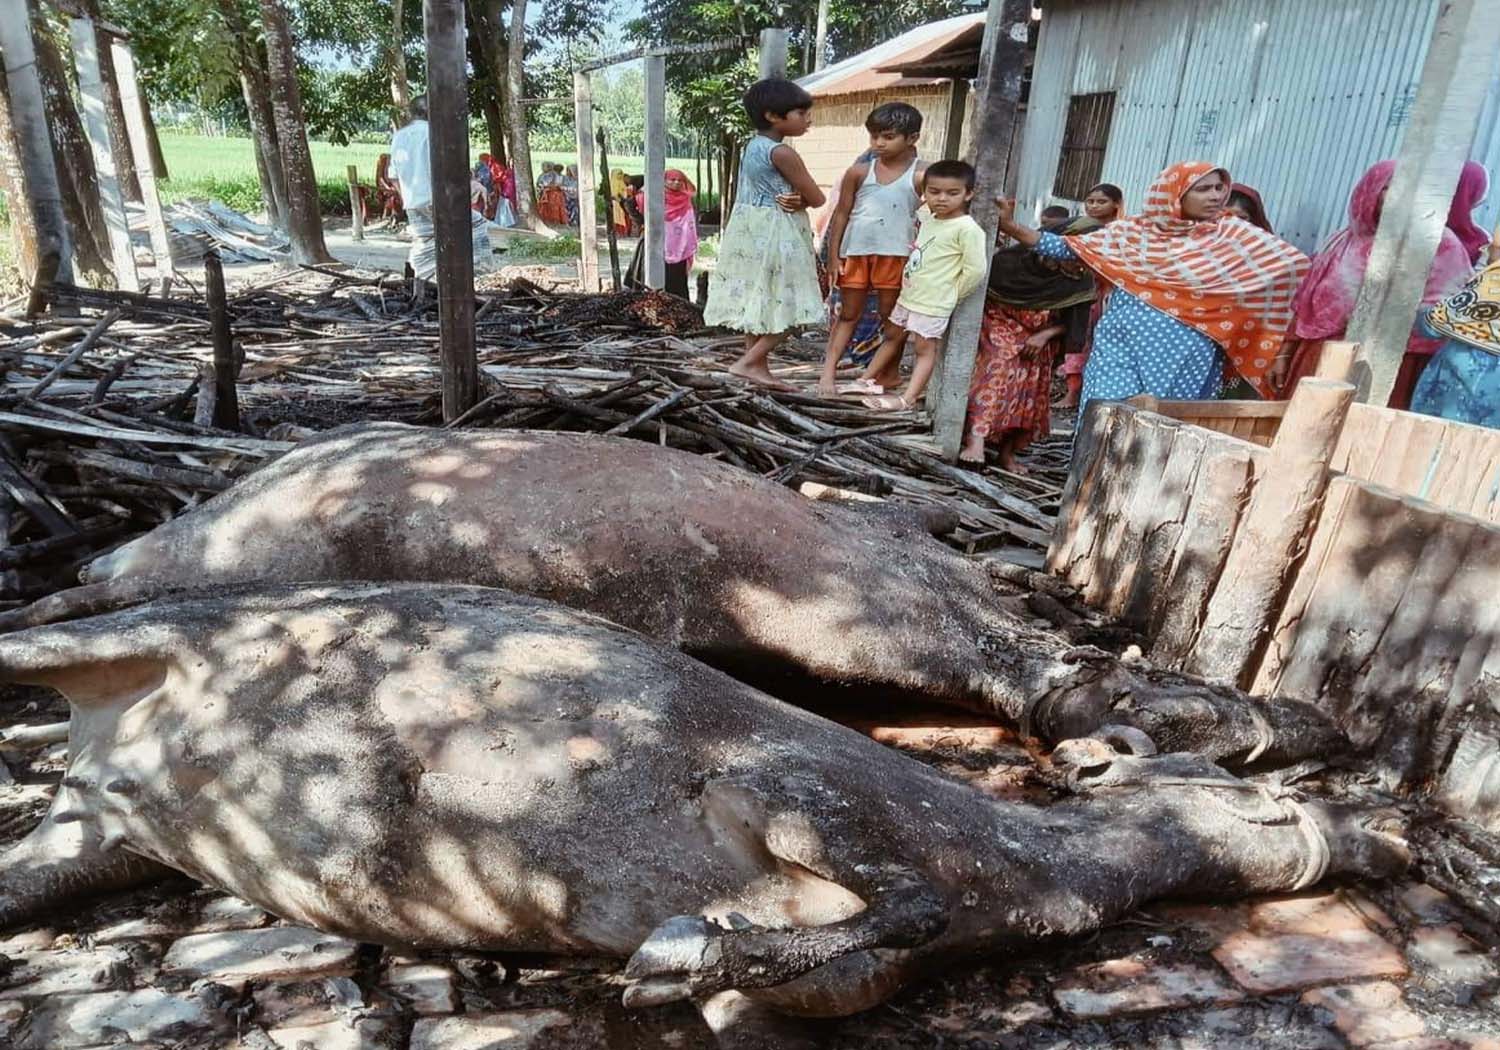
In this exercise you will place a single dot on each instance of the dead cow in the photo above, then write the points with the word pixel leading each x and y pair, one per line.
pixel 780 591
pixel 463 768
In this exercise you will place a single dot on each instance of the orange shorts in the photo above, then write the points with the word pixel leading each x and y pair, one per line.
pixel 872 271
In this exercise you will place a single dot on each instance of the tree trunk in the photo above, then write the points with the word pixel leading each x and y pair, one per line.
pixel 75 164
pixel 488 38
pixel 400 89
pixel 304 217
pixel 13 185
pixel 520 147
pixel 257 97
pixel 114 110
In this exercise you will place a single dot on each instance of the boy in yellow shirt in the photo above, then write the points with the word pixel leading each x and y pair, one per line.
pixel 948 262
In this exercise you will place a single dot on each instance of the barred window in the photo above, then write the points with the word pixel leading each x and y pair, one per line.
pixel 1081 164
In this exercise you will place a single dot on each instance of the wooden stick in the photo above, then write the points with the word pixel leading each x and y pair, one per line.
pixel 226 407
pixel 356 203
pixel 1283 507
pixel 651 413
pixel 29 738
pixel 84 346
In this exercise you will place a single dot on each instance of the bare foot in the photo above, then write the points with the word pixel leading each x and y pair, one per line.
pixel 1010 466
pixel 973 450
pixel 887 403
pixel 760 376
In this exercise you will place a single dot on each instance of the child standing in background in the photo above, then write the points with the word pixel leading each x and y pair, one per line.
pixel 766 280
pixel 870 234
pixel 948 262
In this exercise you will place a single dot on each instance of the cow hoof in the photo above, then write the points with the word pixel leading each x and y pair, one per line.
pixel 663 968
pixel 1362 841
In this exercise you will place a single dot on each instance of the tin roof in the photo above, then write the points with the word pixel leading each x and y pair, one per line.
pixel 870 70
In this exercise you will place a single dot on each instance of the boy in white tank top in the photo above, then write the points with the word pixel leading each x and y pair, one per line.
pixel 870 234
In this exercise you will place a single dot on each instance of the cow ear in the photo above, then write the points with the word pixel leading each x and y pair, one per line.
pixel 83 666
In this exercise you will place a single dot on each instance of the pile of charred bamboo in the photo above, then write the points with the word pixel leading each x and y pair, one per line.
pixel 108 409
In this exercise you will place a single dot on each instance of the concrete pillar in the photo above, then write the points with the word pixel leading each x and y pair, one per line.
pixel 820 47
pixel 134 104
pixel 773 47
pixel 96 124
pixel 588 196
pixel 656 168
pixel 1464 50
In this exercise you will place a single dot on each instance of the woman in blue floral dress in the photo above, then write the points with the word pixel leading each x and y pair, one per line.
pixel 1463 381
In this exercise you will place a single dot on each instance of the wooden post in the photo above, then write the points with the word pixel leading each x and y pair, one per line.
pixel 820 45
pixel 773 47
pixel 1283 507
pixel 958 101
pixel 609 211
pixel 588 195
pixel 96 124
pixel 1464 49
pixel 356 205
pixel 1001 67
pixel 28 110
pixel 226 408
pixel 656 168
pixel 448 128
pixel 139 130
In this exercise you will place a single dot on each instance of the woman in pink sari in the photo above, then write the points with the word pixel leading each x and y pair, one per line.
pixel 1325 301
pixel 1473 188
pixel 681 229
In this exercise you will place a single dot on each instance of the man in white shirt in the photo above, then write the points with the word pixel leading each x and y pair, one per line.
pixel 411 167
pixel 410 160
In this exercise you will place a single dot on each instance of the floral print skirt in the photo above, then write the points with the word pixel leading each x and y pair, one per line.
pixel 766 279
pixel 1009 392
pixel 1462 383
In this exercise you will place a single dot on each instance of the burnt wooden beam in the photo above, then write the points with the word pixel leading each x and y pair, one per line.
pixel 448 121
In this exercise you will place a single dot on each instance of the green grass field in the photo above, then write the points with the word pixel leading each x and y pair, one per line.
pixel 224 167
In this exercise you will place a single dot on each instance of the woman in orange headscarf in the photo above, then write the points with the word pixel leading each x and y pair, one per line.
pixel 1193 293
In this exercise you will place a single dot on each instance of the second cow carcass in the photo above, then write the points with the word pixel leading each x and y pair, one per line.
pixel 797 597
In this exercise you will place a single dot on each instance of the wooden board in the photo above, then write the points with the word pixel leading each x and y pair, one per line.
pixel 1145 512
pixel 1454 465
pixel 1083 508
pixel 1134 475
pixel 1220 491
pixel 1360 585
pixel 1159 547
pixel 1283 641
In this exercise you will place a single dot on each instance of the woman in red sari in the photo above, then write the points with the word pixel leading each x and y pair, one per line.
pixel 1034 309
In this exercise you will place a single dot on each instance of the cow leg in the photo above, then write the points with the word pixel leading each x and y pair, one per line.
pixel 1221 724
pixel 58 864
pixel 799 826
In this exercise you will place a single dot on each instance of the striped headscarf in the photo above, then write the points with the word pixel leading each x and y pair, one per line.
pixel 1228 279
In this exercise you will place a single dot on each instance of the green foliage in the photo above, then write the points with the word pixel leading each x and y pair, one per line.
pixel 183 51
pixel 223 167
pixel 710 85
pixel 535 249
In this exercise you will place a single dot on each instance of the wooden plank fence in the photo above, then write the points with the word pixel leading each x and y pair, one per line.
pixel 1379 600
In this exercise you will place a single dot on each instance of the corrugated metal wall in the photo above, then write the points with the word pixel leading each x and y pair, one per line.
pixel 1296 97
